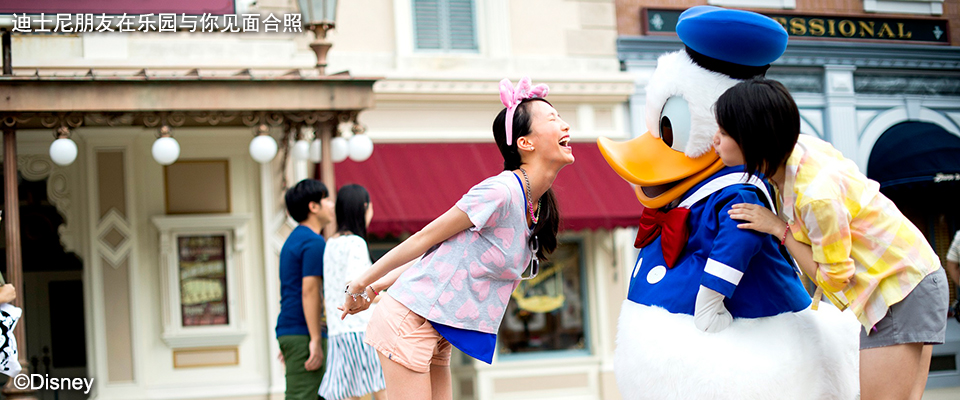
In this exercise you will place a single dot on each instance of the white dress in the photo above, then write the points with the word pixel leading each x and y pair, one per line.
pixel 344 258
pixel 353 368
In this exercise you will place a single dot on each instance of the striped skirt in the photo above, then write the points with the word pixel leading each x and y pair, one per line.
pixel 353 368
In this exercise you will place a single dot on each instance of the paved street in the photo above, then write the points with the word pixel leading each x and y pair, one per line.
pixel 942 394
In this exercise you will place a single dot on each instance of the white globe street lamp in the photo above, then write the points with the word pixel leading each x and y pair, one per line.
pixel 63 151
pixel 165 149
pixel 361 147
pixel 315 150
pixel 339 149
pixel 263 147
pixel 301 150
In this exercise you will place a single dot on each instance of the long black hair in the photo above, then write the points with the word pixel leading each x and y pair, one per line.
pixel 351 209
pixel 545 232
pixel 761 116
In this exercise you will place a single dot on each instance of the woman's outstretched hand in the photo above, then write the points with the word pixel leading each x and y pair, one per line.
pixel 758 218
pixel 357 298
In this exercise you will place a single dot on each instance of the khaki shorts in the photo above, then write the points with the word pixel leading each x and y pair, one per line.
pixel 405 337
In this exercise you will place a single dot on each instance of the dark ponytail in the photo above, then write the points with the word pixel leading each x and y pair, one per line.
pixel 548 223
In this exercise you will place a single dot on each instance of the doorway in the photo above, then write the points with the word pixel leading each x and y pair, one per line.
pixel 918 167
pixel 52 293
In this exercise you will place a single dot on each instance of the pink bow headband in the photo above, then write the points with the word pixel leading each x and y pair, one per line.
pixel 512 96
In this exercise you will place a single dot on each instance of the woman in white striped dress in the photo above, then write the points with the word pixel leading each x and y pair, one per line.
pixel 353 369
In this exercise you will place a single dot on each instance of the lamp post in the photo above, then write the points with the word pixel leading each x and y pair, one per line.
pixel 14 258
pixel 319 16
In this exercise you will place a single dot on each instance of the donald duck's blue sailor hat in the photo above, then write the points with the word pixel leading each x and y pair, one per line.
pixel 738 43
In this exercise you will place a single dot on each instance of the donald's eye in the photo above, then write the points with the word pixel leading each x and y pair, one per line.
pixel 666 130
pixel 674 126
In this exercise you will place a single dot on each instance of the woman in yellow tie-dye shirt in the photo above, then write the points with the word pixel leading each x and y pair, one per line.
pixel 847 236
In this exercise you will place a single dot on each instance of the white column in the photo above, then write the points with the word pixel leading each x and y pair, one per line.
pixel 586 118
pixel 272 217
pixel 641 70
pixel 841 113
pixel 638 115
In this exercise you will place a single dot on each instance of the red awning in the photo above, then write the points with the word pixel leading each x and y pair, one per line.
pixel 412 184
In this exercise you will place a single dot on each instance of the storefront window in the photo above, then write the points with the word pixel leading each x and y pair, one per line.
pixel 378 246
pixel 548 313
pixel 545 314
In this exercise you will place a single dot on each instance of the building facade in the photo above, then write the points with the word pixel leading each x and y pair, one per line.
pixel 877 79
pixel 170 272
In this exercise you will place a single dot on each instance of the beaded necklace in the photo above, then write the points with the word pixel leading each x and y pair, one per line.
pixel 533 216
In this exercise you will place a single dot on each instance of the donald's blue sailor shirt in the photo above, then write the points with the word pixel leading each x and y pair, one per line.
pixel 745 266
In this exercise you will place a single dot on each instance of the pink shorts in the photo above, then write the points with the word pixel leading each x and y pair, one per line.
pixel 405 337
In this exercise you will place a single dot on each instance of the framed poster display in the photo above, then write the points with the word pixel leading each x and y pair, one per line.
pixel 203 279
pixel 201 259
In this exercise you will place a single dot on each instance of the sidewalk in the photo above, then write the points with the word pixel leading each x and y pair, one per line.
pixel 942 394
pixel 945 385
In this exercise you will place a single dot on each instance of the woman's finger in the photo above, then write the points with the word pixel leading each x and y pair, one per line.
pixel 742 216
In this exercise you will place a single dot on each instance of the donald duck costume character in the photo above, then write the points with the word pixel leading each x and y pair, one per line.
pixel 713 311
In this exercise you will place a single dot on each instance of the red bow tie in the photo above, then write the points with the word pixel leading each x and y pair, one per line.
pixel 671 225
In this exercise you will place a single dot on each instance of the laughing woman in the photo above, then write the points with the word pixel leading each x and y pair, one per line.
pixel 473 255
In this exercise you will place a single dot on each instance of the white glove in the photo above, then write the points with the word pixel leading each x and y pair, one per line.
pixel 710 315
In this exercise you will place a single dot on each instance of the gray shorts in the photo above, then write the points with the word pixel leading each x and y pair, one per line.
pixel 921 317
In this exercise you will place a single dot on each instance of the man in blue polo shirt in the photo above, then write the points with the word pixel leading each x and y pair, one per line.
pixel 301 275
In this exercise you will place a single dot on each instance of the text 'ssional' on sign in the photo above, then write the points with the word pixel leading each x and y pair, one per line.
pixel 911 30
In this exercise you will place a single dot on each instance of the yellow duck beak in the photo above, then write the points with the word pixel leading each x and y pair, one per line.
pixel 660 173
